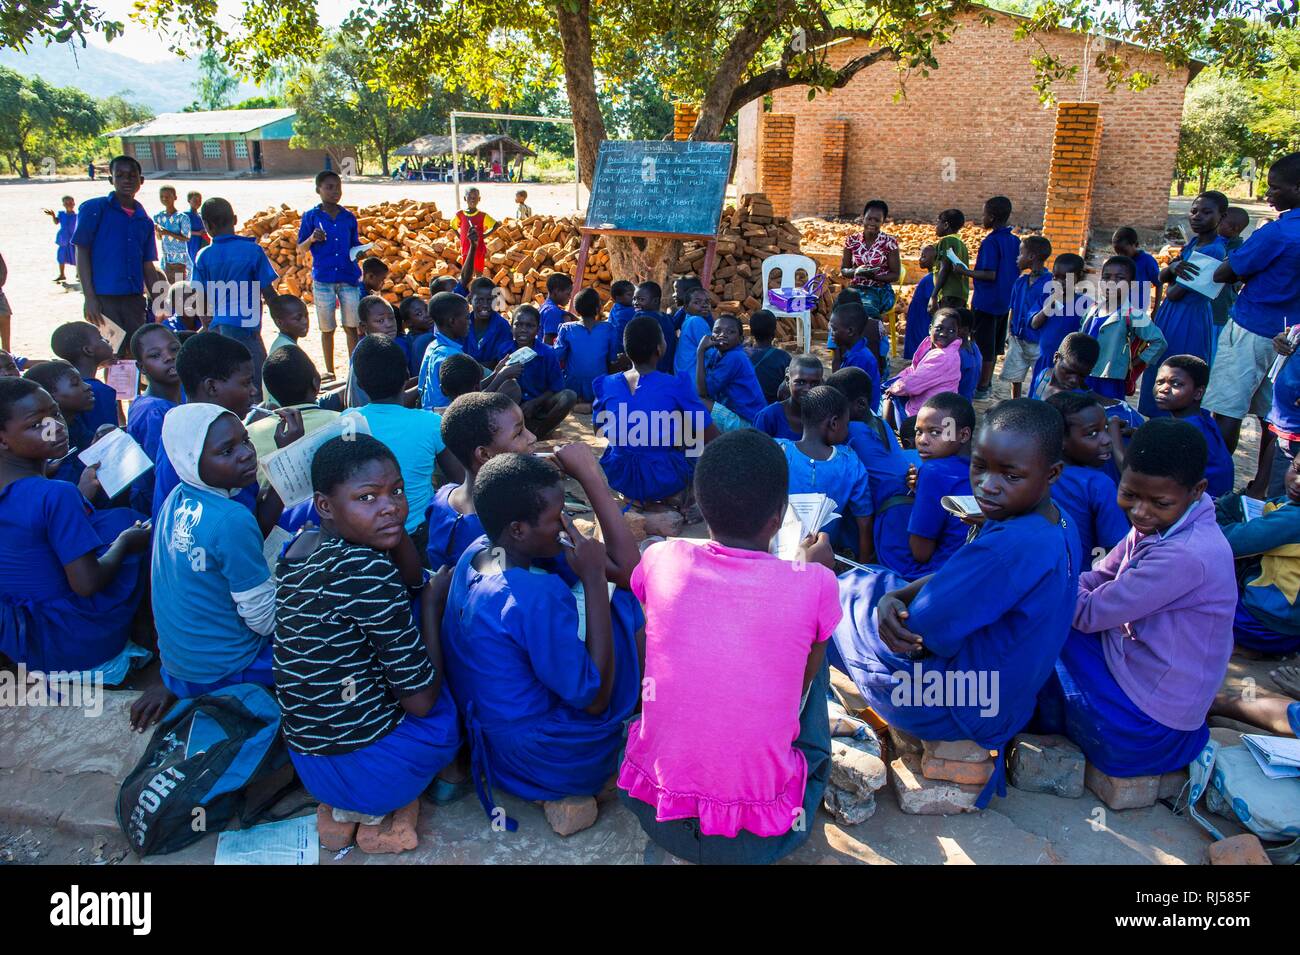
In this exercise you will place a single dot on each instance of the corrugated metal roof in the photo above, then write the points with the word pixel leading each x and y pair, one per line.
pixel 465 143
pixel 206 123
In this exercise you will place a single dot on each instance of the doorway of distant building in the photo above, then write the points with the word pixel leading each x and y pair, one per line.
pixel 257 156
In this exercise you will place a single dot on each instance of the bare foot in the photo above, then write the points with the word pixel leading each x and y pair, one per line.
pixel 1287 679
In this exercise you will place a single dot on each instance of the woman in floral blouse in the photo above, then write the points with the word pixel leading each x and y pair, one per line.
pixel 871 260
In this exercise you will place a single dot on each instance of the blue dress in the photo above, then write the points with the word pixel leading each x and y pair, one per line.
pixel 731 379
pixel 971 364
pixel 44 525
pixel 144 423
pixel 1081 700
pixel 1188 324
pixel 773 422
pixel 918 316
pixel 67 252
pixel 1000 648
pixel 487 349
pixel 450 532
pixel 1087 498
pixel 1218 466
pixel 584 354
pixel 655 434
pixel 521 675
pixel 925 517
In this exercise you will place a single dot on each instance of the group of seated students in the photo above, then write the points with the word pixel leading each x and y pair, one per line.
pixel 439 623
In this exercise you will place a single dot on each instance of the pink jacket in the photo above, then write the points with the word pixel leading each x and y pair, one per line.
pixel 932 371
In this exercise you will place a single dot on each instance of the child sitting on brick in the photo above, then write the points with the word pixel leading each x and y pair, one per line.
pixel 704 786
pixel 1153 622
pixel 344 600
pixel 541 658
pixel 1084 490
pixel 998 610
pixel 1267 550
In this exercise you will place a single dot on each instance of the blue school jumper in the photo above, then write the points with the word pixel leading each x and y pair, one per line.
pixel 1086 496
pixel 652 463
pixel 619 316
pixel 860 356
pixel 886 464
pixel 971 364
pixel 235 262
pixel 419 345
pixel 1218 466
pixel 44 624
pixel 694 328
pixel 842 478
pixel 66 252
pixel 144 422
pixel 450 532
pixel 772 421
pixel 196 241
pixel 1054 331
pixel 495 343
pixel 1000 609
pixel 1188 324
pixel 331 260
pixel 770 367
pixel 584 354
pixel 1269 263
pixel 520 673
pixel 552 317
pixel 730 379
pixel 541 374
pixel 936 478
pixel 119 244
pixel 998 253
pixel 918 316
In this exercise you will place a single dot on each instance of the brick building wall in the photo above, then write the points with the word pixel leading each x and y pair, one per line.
pixel 277 157
pixel 978 119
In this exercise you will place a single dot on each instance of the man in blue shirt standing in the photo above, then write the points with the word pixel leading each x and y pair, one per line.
pixel 235 276
pixel 329 233
pixel 994 274
pixel 1268 304
pixel 116 252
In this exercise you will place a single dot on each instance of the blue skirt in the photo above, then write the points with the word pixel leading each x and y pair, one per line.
pixel 1082 701
pixel 392 771
pixel 567 752
pixel 647 474
pixel 1248 632
pixel 70 633
pixel 260 671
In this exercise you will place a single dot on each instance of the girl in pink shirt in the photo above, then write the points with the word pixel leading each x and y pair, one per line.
pixel 935 368
pixel 730 756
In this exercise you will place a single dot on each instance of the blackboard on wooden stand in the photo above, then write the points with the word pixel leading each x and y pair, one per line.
pixel 660 190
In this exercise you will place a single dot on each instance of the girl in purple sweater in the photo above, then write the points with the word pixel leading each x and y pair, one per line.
pixel 1153 623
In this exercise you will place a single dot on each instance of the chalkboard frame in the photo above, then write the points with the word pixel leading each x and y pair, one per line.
pixel 608 147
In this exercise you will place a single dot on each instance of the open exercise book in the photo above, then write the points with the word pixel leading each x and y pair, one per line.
pixel 1278 756
pixel 961 505
pixel 289 468
pixel 804 514
pixel 120 458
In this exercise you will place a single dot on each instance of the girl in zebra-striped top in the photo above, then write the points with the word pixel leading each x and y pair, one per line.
pixel 360 685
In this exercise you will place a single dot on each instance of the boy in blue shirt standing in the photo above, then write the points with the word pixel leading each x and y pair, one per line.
pixel 1028 295
pixel 116 252
pixel 329 233
pixel 994 273
pixel 235 277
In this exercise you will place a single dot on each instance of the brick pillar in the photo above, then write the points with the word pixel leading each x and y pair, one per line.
pixel 835 151
pixel 684 116
pixel 1075 149
pixel 776 160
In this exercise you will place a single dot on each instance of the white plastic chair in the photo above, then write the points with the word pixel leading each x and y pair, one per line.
pixel 789 266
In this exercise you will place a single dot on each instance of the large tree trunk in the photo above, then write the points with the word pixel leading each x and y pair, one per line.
pixel 580 83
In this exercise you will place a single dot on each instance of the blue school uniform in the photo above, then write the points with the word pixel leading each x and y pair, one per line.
pixel 1082 700
pixel 419 345
pixel 1130 416
pixel 770 367
pixel 645 461
pixel 693 329
pixel 841 477
pixel 495 343
pixel 619 316
pixel 730 379
pixel 918 316
pixel 886 464
pixel 1269 263
pixel 1188 324
pixel 936 479
pixel 772 421
pixel 971 364
pixel 196 240
pixel 80 437
pixel 860 356
pixel 519 670
pixel 1025 573
pixel 584 354
pixel 450 532
pixel 43 623
pixel 541 374
pixel 119 244
pixel 202 639
pixel 105 410
pixel 144 423
pixel 552 317
pixel 235 262
pixel 331 260
pixel 1087 498
pixel 1148 276
pixel 1054 331
pixel 1218 466
pixel 431 395
pixel 667 324
pixel 998 254
pixel 403 341
pixel 66 252
pixel 1028 295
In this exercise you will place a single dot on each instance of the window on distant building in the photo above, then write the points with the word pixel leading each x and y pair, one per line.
pixel 169 150
pixel 241 149
pixel 212 149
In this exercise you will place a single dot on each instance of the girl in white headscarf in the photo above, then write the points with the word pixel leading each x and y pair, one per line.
pixel 213 594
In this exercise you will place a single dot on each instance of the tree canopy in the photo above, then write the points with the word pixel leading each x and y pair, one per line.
pixel 38 120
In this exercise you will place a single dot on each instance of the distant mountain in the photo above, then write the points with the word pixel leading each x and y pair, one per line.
pixel 163 87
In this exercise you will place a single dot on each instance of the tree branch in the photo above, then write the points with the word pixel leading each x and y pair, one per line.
pixel 779 77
